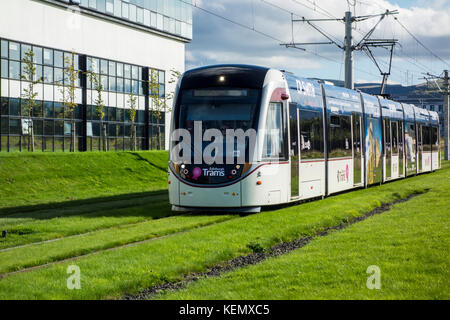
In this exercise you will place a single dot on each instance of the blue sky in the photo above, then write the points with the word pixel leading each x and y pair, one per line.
pixel 219 41
pixel 406 3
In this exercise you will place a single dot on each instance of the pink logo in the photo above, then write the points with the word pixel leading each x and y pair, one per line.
pixel 196 173
pixel 346 172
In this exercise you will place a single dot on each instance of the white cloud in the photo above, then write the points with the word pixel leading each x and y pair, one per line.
pixel 277 61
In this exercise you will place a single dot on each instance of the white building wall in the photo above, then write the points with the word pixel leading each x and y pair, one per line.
pixel 54 26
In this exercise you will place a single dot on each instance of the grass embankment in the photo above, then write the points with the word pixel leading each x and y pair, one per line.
pixel 128 270
pixel 410 244
pixel 35 179
pixel 93 224
pixel 78 193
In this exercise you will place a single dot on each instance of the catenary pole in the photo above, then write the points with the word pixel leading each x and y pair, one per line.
pixel 446 116
pixel 348 47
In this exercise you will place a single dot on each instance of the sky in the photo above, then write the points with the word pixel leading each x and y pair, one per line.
pixel 259 26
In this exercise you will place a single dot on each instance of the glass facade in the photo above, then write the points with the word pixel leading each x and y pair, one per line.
pixel 51 122
pixel 170 16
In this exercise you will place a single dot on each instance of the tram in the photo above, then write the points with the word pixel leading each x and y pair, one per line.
pixel 303 139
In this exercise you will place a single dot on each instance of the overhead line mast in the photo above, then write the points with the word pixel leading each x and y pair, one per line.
pixel 445 90
pixel 348 47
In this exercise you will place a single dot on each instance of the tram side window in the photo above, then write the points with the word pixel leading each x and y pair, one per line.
pixel 274 144
pixel 426 139
pixel 400 136
pixel 387 135
pixel 410 142
pixel 340 137
pixel 419 136
pixel 394 125
pixel 311 134
pixel 435 139
pixel 412 132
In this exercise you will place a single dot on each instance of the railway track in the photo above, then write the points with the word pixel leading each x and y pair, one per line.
pixel 13 223
pixel 258 257
pixel 52 260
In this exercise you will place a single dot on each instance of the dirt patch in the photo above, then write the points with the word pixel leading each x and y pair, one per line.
pixel 259 256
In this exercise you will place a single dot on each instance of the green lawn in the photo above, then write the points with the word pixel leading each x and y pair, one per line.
pixel 111 274
pixel 42 253
pixel 410 244
pixel 38 178
pixel 29 227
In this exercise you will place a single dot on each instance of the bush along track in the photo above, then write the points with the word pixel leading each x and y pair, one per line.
pixel 134 269
pixel 259 254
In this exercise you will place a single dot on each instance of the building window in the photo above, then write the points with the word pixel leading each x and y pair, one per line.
pixel 52 121
pixel 125 10
pixel 14 70
pixel 14 51
pixel 4 68
pixel 172 16
pixel 4 49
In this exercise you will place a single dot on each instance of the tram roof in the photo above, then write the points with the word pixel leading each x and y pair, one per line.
pixel 422 115
pixel 434 117
pixel 225 75
pixel 391 109
pixel 408 111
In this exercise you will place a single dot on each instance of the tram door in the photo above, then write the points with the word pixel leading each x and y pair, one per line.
pixel 394 149
pixel 294 150
pixel 387 148
pixel 419 147
pixel 357 148
pixel 401 153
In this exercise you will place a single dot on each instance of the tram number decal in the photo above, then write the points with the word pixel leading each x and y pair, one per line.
pixel 306 88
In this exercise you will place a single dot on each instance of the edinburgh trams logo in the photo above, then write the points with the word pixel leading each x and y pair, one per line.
pixel 214 172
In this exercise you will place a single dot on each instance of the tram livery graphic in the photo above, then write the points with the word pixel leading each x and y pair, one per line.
pixel 312 139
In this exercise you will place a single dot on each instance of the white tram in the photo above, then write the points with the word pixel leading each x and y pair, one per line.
pixel 312 139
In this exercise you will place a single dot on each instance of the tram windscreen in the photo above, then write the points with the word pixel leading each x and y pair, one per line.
pixel 221 109
pixel 218 108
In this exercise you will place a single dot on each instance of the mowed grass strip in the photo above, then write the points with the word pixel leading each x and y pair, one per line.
pixel 129 270
pixel 409 243
pixel 39 254
pixel 56 223
pixel 28 179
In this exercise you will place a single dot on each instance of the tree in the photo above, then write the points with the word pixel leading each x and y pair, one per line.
pixel 175 75
pixel 68 92
pixel 132 99
pixel 29 95
pixel 99 106
pixel 159 101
